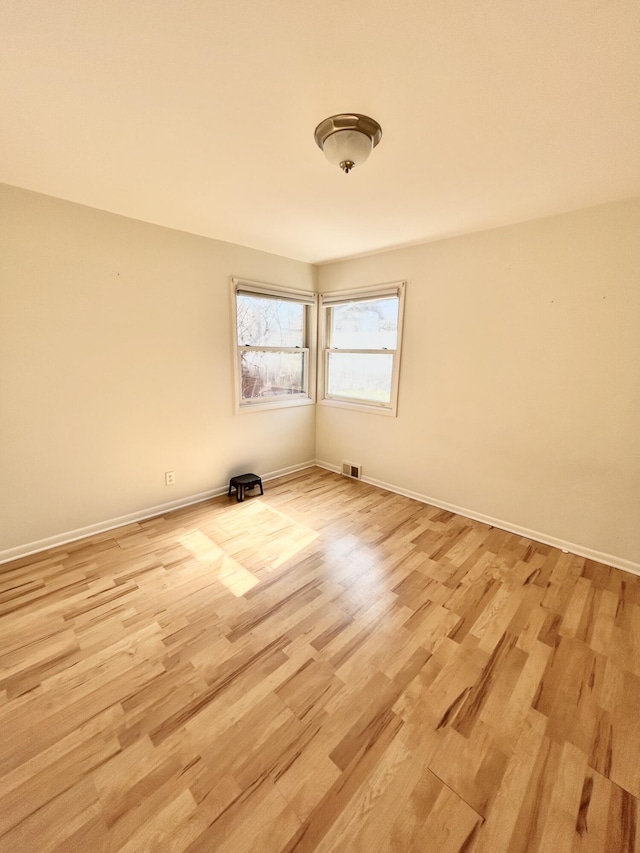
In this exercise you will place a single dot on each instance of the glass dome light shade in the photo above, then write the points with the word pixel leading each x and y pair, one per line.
pixel 347 146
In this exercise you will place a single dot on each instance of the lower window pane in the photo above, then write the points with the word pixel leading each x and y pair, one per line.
pixel 364 376
pixel 271 374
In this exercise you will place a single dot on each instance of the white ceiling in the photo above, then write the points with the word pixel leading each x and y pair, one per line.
pixel 200 115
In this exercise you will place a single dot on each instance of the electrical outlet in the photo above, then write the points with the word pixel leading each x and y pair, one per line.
pixel 170 478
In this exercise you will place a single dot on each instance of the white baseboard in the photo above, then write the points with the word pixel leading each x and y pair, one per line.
pixel 140 515
pixel 329 467
pixel 113 523
pixel 535 535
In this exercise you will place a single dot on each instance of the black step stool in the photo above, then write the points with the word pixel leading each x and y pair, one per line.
pixel 244 481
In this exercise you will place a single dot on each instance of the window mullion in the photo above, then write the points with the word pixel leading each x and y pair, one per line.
pixel 362 351
pixel 247 348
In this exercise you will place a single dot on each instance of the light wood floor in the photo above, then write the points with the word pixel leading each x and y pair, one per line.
pixel 329 667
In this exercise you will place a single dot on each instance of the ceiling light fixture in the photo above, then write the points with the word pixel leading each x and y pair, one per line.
pixel 347 139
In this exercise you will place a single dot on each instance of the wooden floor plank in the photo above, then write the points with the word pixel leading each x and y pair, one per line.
pixel 326 667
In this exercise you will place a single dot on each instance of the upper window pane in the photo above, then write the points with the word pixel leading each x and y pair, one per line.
pixel 266 322
pixel 365 325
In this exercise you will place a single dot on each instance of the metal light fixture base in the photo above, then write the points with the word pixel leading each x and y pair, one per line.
pixel 347 121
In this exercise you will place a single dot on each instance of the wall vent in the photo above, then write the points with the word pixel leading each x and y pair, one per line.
pixel 351 470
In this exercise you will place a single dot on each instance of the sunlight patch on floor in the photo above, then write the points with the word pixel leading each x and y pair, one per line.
pixel 232 574
pixel 235 577
pixel 203 548
pixel 275 537
pixel 283 538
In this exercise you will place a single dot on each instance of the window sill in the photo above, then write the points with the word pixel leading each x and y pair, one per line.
pixel 243 408
pixel 372 409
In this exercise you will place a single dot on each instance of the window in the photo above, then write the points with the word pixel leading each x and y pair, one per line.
pixel 361 337
pixel 274 336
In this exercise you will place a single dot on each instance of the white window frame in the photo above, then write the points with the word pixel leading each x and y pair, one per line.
pixel 368 294
pixel 304 297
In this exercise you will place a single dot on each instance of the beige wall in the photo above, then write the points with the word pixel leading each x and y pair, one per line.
pixel 520 379
pixel 115 366
pixel 519 394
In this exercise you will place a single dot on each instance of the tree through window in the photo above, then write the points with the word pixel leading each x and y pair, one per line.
pixel 272 342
